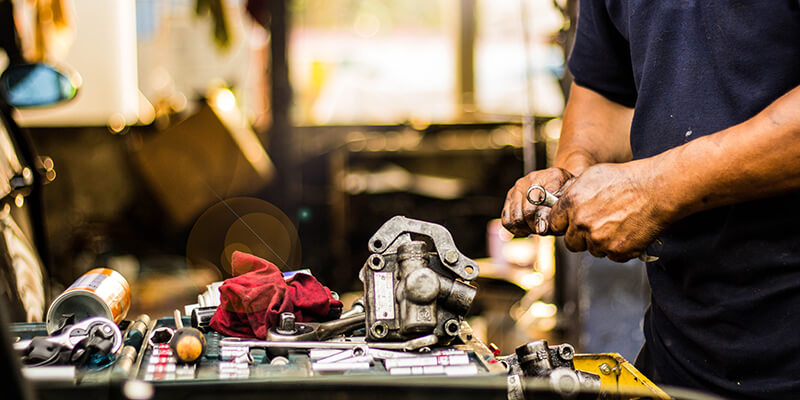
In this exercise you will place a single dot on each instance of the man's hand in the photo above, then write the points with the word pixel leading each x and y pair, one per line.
pixel 617 210
pixel 521 217
pixel 611 210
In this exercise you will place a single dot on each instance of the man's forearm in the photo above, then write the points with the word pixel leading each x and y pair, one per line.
pixel 758 158
pixel 595 130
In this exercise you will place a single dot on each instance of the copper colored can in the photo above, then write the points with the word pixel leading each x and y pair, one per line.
pixel 101 292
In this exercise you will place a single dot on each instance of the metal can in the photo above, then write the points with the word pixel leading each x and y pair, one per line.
pixel 101 292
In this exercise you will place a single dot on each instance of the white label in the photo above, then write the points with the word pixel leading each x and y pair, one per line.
pixel 424 361
pixel 384 295
pixel 89 282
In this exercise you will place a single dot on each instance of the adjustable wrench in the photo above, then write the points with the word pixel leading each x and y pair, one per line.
pixel 549 200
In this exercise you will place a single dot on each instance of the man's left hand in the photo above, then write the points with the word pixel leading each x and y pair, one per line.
pixel 612 210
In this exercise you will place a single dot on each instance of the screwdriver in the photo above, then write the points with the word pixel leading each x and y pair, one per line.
pixel 549 200
pixel 187 344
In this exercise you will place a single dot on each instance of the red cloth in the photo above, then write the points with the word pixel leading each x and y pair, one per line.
pixel 252 301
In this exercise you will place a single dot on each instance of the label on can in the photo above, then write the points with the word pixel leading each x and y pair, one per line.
pixel 110 286
pixel 383 291
pixel 89 282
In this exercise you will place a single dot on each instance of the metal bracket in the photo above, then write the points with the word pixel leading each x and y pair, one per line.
pixel 393 233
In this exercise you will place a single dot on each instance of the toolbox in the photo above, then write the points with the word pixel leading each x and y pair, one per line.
pixel 155 363
pixel 476 372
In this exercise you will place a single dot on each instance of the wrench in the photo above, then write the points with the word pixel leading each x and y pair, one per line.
pixel 291 331
pixel 409 345
pixel 360 354
pixel 81 330
pixel 549 200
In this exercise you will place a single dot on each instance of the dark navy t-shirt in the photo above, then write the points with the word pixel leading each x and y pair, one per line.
pixel 725 307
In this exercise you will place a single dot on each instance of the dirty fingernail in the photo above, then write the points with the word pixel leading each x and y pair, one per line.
pixel 541 226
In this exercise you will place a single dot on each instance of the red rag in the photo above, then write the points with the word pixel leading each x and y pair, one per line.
pixel 252 301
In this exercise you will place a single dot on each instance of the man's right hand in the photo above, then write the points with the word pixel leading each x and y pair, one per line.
pixel 521 217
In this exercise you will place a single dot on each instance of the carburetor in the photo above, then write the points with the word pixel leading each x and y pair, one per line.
pixel 415 282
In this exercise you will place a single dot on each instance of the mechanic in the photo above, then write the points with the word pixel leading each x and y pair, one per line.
pixel 681 138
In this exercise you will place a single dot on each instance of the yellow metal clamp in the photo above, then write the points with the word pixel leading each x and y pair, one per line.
pixel 618 376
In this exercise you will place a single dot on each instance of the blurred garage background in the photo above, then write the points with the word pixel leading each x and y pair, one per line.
pixel 292 129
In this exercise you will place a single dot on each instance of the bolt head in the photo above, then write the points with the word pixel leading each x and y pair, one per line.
pixel 605 369
pixel 451 257
pixel 287 322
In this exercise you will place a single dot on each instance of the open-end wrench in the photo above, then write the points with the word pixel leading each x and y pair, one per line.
pixel 358 354
pixel 548 199
pixel 409 345
pixel 362 357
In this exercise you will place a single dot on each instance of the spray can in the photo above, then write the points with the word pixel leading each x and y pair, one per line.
pixel 101 292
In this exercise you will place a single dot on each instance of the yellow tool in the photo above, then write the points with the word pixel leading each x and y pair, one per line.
pixel 618 376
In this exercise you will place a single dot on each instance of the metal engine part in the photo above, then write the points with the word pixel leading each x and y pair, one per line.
pixel 415 282
pixel 554 363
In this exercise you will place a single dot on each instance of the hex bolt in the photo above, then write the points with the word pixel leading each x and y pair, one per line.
pixel 286 325
pixel 451 256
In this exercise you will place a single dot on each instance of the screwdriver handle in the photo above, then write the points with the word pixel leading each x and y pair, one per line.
pixel 187 344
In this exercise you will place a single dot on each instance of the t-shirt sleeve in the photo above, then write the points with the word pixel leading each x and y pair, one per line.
pixel 600 58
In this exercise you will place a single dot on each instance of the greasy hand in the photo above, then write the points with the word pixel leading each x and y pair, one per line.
pixel 521 217
pixel 611 210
